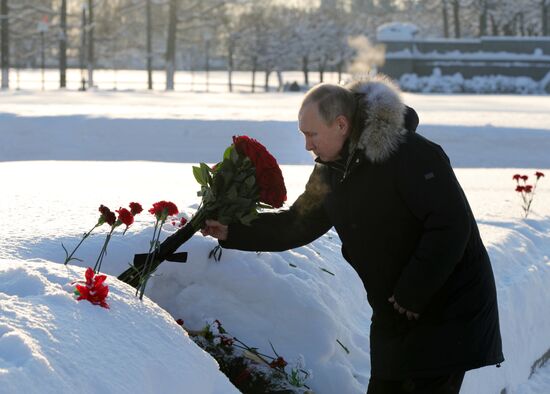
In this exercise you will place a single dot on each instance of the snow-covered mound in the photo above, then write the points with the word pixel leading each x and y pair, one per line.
pixel 51 343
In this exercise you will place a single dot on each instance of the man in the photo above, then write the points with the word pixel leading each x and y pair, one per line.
pixel 406 228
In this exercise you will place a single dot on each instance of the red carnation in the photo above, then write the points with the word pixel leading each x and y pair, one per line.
pixel 135 208
pixel 180 322
pixel 539 174
pixel 524 177
pixel 182 221
pixel 269 177
pixel 94 289
pixel 516 177
pixel 279 362
pixel 125 216
pixel 520 188
pixel 163 209
pixel 528 188
pixel 226 340
pixel 107 215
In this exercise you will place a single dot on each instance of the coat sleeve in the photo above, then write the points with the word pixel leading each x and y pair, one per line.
pixel 431 191
pixel 299 225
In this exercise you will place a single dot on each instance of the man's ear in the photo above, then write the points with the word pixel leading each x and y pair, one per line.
pixel 343 124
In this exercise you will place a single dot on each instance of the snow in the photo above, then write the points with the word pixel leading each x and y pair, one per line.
pixel 61 161
pixel 457 55
pixel 456 83
pixel 51 343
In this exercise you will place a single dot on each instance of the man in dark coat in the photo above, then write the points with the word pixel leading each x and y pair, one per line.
pixel 407 229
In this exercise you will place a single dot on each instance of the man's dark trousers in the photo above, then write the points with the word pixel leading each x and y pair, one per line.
pixel 447 384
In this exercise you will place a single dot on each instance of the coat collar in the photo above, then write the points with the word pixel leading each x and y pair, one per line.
pixel 380 126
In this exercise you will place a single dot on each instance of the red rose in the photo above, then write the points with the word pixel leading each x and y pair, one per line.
pixel 539 174
pixel 269 177
pixel 163 209
pixel 180 322
pixel 182 221
pixel 516 177
pixel 135 208
pixel 520 188
pixel 528 188
pixel 125 216
pixel 94 290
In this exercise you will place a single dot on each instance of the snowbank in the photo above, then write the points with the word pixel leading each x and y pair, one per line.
pixel 456 83
pixel 51 343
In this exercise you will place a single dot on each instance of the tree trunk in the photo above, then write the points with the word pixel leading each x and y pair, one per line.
pixel 280 80
pixel 149 46
pixel 171 45
pixel 322 65
pixel 456 17
pixel 266 84
pixel 521 24
pixel 230 47
pixel 254 68
pixel 483 19
pixel 445 19
pixel 305 69
pixel 91 59
pixel 63 46
pixel 544 5
pixel 83 46
pixel 494 25
pixel 5 35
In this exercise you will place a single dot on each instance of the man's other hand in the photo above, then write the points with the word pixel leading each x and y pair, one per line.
pixel 215 229
pixel 410 315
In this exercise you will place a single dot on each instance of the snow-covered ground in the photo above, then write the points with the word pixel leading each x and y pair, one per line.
pixel 62 154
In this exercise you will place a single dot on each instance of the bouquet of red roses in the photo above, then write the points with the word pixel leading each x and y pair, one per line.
pixel 246 179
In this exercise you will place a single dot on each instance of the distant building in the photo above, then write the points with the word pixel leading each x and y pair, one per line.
pixel 508 56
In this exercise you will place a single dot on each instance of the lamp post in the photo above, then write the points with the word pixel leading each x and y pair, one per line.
pixel 207 38
pixel 42 29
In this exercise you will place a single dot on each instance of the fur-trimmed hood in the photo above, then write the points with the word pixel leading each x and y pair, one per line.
pixel 382 122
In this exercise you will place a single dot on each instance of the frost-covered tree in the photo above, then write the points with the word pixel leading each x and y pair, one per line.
pixel 5 49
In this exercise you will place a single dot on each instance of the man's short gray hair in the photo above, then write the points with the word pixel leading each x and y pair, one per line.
pixel 332 101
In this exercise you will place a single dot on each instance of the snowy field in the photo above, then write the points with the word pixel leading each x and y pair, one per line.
pixel 62 154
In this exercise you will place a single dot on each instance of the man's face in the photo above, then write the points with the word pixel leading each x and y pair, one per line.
pixel 325 141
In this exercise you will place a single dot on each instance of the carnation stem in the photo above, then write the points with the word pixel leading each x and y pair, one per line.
pixel 146 272
pixel 135 275
pixel 97 266
pixel 69 257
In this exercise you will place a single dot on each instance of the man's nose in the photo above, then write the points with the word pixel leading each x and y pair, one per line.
pixel 309 145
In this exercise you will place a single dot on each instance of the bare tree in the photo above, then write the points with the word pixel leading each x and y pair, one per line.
pixel 90 39
pixel 171 44
pixel 149 38
pixel 5 26
pixel 63 45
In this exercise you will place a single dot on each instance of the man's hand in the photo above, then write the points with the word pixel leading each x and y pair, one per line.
pixel 215 229
pixel 410 315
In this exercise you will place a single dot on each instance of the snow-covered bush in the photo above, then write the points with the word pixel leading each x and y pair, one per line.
pixel 456 83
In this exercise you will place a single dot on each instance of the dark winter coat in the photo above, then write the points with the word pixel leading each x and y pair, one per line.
pixel 408 230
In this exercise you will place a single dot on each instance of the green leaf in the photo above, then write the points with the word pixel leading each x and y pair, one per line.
pixel 234 156
pixel 205 173
pixel 250 181
pixel 197 172
pixel 227 152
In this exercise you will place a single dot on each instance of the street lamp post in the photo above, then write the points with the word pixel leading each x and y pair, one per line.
pixel 207 37
pixel 42 29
